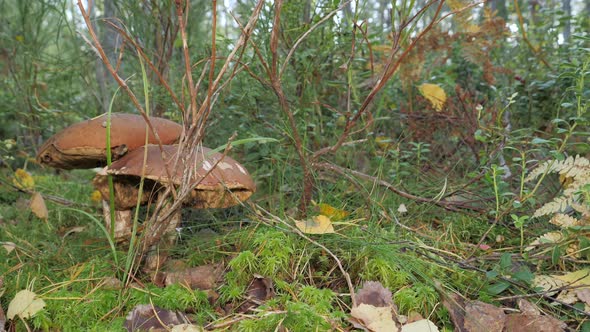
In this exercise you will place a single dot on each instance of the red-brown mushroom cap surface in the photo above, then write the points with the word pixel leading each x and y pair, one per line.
pixel 83 145
pixel 222 181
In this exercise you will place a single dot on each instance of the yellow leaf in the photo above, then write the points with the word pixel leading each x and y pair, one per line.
pixel 377 319
pixel 9 246
pixel 577 278
pixel 38 206
pixel 22 179
pixel 382 48
pixel 96 197
pixel 25 304
pixel 435 94
pixel 316 225
pixel 383 142
pixel 332 212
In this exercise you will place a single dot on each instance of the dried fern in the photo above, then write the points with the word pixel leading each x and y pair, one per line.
pixel 578 170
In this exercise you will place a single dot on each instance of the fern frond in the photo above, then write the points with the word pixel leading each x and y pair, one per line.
pixel 559 204
pixel 551 237
pixel 570 167
pixel 565 221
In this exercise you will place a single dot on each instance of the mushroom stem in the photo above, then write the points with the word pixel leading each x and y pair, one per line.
pixel 166 231
pixel 123 221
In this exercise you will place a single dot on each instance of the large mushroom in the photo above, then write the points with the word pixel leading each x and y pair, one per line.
pixel 219 181
pixel 84 145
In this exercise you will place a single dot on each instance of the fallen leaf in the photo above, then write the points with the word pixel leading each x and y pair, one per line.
pixel 455 305
pixel 96 197
pixel 332 212
pixel 383 142
pixel 533 323
pixel 577 278
pixel 527 308
pixel 186 328
pixel 316 225
pixel 584 295
pixel 198 277
pixel 9 246
pixel 25 305
pixel 435 94
pixel 377 319
pixel 145 317
pixel 375 294
pixel 38 206
pixel 423 325
pixel 23 180
pixel 402 208
pixel 259 290
pixel 484 317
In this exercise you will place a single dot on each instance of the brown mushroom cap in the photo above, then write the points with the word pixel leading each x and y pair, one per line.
pixel 83 145
pixel 228 184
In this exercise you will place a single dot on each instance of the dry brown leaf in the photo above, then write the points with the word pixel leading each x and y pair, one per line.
pixel 38 206
pixel 483 317
pixel 145 317
pixel 583 294
pixel 527 308
pixel 259 290
pixel 377 319
pixel 375 294
pixel 455 305
pixel 316 225
pixel 199 277
pixel 533 323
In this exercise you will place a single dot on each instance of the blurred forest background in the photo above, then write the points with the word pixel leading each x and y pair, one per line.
pixel 413 124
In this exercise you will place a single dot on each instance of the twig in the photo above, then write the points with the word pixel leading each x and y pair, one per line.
pixel 451 206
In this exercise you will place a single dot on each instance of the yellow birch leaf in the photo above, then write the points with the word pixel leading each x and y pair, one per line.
pixel 382 48
pixel 96 197
pixel 378 319
pixel 25 305
pixel 22 179
pixel 316 225
pixel 577 278
pixel 435 94
pixel 331 212
pixel 384 142
pixel 38 206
